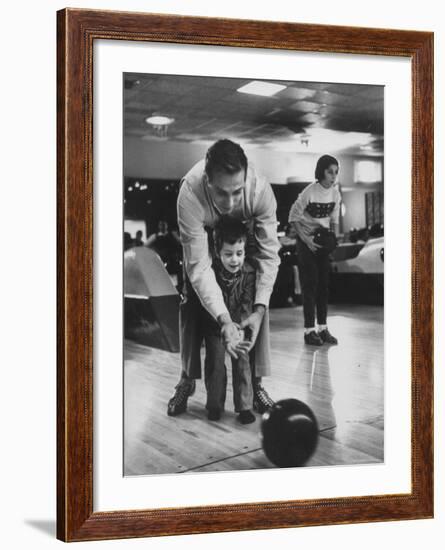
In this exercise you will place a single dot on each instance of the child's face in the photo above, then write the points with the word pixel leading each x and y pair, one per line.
pixel 329 176
pixel 232 255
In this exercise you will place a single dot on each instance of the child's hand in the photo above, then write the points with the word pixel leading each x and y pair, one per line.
pixel 243 347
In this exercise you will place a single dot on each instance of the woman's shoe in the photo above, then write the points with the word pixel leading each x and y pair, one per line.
pixel 313 339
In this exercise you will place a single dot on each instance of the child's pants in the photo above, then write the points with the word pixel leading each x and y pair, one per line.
pixel 191 337
pixel 314 279
pixel 216 376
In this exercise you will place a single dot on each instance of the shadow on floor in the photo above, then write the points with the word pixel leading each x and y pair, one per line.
pixel 47 526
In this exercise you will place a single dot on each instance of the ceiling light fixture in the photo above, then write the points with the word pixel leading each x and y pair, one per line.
pixel 160 124
pixel 159 120
pixel 304 140
pixel 258 87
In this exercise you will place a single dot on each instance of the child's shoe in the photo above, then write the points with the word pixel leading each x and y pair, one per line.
pixel 214 414
pixel 246 417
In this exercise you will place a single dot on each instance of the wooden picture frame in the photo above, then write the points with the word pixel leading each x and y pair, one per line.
pixel 77 31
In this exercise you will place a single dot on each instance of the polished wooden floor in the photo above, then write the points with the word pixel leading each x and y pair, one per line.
pixel 342 384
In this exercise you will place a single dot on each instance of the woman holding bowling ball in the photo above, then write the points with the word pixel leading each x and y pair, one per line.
pixel 315 215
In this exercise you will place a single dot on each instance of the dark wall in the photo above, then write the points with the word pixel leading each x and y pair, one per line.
pixel 286 195
pixel 158 201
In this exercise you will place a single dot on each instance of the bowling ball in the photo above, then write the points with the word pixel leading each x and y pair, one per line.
pixel 326 239
pixel 289 432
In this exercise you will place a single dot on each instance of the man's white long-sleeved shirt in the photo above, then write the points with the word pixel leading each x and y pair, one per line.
pixel 197 212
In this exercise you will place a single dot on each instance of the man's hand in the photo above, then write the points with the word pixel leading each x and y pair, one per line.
pixel 243 348
pixel 253 323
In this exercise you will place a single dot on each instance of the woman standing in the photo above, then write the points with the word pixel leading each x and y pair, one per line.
pixel 317 207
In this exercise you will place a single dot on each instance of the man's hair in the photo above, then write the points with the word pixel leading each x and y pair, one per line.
pixel 225 156
pixel 228 230
pixel 323 164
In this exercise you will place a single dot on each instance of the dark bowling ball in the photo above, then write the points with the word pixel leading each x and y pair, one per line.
pixel 326 239
pixel 290 433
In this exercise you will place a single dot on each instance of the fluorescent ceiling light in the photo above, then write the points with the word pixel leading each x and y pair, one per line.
pixel 259 87
pixel 158 120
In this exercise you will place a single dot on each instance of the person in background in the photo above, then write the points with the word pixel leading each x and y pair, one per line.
pixel 128 241
pixel 289 278
pixel 224 183
pixel 289 239
pixel 164 240
pixel 138 240
pixel 318 205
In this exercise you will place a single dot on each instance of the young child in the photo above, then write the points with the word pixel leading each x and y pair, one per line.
pixel 236 279
pixel 318 205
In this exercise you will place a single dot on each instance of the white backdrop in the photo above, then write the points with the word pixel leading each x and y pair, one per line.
pixel 28 233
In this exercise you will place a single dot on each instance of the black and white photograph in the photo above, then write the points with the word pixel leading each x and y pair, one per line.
pixel 253 239
pixel 160 166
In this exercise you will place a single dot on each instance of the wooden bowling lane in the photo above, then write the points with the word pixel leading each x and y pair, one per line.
pixel 342 384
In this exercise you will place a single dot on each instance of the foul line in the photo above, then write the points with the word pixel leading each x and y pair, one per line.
pixel 237 455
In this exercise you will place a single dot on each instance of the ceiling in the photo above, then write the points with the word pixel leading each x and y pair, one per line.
pixel 303 117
